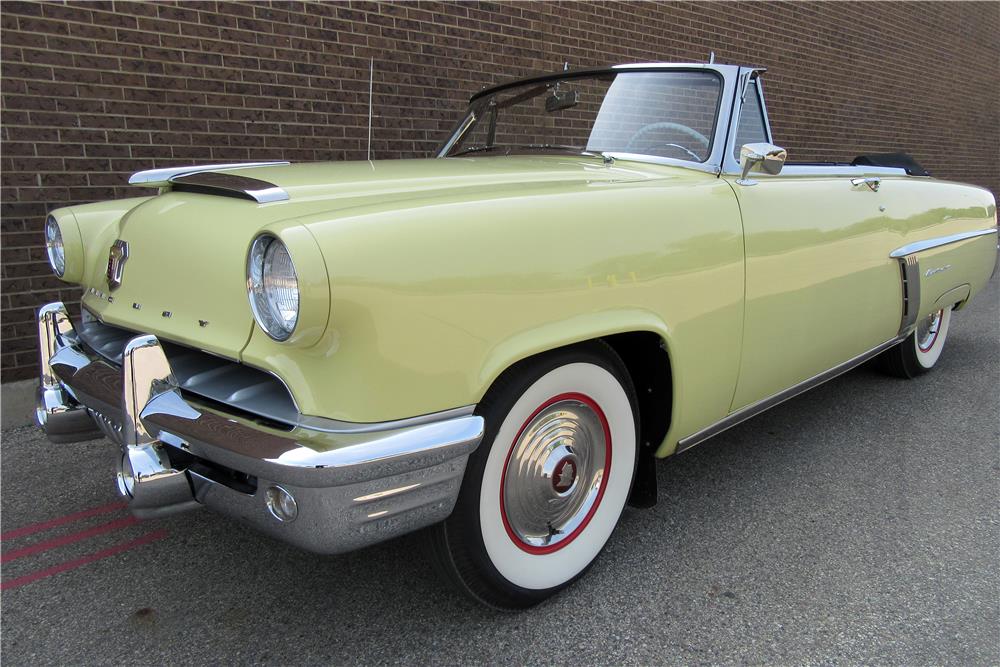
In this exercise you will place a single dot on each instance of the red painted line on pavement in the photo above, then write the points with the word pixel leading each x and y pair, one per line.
pixel 83 560
pixel 60 521
pixel 63 540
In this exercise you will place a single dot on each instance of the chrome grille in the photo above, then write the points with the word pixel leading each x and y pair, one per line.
pixel 112 429
pixel 203 375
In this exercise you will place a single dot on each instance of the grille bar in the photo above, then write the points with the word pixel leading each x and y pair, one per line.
pixel 202 374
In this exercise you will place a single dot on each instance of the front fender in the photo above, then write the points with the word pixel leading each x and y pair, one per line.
pixel 431 301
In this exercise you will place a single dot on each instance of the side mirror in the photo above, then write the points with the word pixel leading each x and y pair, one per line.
pixel 761 158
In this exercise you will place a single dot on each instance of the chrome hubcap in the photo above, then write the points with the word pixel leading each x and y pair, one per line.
pixel 927 330
pixel 555 473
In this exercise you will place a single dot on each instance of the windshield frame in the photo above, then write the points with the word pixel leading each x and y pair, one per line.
pixel 728 75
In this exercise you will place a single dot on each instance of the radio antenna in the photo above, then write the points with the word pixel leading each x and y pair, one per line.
pixel 711 58
pixel 371 81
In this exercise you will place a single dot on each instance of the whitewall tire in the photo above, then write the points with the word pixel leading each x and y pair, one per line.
pixel 545 489
pixel 929 337
pixel 921 350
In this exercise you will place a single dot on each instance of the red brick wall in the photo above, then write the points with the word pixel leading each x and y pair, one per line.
pixel 94 91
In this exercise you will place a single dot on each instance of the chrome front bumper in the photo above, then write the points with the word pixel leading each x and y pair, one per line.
pixel 351 486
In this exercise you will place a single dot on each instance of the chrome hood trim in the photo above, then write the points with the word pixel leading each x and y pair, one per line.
pixel 229 185
pixel 157 177
pixel 207 180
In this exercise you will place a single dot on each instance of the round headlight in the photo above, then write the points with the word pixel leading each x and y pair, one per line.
pixel 54 246
pixel 273 288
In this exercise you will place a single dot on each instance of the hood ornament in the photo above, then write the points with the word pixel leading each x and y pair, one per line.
pixel 116 263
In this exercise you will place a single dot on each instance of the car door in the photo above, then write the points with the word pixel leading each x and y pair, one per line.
pixel 820 286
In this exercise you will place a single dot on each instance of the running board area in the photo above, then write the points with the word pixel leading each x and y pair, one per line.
pixel 754 409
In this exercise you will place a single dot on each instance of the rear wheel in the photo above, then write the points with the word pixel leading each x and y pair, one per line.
pixel 920 351
pixel 545 489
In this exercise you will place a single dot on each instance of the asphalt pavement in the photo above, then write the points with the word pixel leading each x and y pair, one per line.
pixel 857 524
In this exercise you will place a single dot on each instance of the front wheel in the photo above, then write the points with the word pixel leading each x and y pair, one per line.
pixel 920 351
pixel 545 489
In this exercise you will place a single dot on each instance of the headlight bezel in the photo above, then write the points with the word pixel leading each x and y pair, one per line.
pixel 55 246
pixel 268 316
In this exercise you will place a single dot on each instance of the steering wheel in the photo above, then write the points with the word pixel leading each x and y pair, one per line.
pixel 667 125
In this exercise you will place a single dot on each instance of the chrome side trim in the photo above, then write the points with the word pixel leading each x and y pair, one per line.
pixel 927 244
pixel 837 170
pixel 154 177
pixel 749 411
pixel 233 185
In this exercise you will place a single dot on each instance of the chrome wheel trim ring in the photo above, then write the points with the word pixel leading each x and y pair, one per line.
pixel 927 331
pixel 555 473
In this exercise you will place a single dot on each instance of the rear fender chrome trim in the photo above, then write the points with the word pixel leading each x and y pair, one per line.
pixel 156 177
pixel 936 242
pixel 909 267
pixel 909 264
pixel 754 409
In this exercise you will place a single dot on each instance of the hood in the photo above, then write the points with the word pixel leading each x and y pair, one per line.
pixel 321 186
pixel 184 278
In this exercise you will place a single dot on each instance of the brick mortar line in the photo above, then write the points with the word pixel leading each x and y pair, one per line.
pixel 599 29
pixel 275 58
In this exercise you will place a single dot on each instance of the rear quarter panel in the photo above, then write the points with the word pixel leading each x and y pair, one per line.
pixel 925 209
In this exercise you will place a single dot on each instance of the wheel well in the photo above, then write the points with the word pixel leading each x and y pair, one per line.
pixel 645 356
pixel 647 362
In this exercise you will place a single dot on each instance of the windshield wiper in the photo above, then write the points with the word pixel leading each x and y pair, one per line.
pixel 559 147
pixel 477 149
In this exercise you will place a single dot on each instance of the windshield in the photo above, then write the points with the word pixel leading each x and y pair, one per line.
pixel 662 113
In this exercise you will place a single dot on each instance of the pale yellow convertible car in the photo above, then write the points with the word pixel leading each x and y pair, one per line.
pixel 598 269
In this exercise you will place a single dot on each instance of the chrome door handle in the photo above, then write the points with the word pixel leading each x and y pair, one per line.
pixel 872 182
